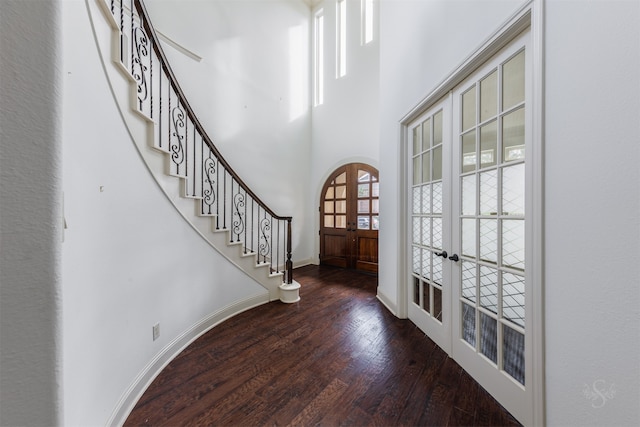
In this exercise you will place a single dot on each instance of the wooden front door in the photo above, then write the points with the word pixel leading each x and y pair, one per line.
pixel 349 218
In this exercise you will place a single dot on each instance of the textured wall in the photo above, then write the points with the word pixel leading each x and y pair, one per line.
pixel 593 212
pixel 30 213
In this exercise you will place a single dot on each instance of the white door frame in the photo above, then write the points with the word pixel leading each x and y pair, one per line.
pixel 529 16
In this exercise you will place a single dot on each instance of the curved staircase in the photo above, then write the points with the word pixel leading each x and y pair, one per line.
pixel 183 159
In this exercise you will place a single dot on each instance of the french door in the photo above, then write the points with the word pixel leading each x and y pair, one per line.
pixel 468 216
pixel 349 218
pixel 430 284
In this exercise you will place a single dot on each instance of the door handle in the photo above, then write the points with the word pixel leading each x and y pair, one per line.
pixel 454 258
pixel 443 254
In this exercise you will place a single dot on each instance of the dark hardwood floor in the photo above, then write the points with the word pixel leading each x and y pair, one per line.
pixel 337 357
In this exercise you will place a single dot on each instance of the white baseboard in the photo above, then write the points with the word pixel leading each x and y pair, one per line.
pixel 142 381
pixel 387 303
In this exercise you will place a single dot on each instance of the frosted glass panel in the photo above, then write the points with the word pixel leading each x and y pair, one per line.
pixel 417 171
pixel 469 237
pixel 328 221
pixel 489 193
pixel 489 240
pixel 469 280
pixel 513 353
pixel 469 324
pixel 426 167
pixel 417 139
pixel 426 232
pixel 328 207
pixel 488 144
pixel 469 152
pixel 416 232
pixel 426 134
pixel 469 109
pixel 469 195
pixel 341 221
pixel 363 206
pixel 513 190
pixel 363 176
pixel 513 81
pixel 489 288
pixel 375 189
pixel 513 136
pixel 416 261
pixel 513 298
pixel 437 233
pixel 489 96
pixel 426 264
pixel 342 178
pixel 416 200
pixel 375 205
pixel 489 337
pixel 426 198
pixel 513 243
pixel 375 222
pixel 437 163
pixel 437 128
pixel 364 222
pixel 437 197
pixel 341 206
pixel 341 192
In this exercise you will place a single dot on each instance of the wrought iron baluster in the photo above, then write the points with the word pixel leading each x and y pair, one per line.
pixel 194 161
pixel 160 133
pixel 169 117
pixel 218 193
pixel 151 84
pixel 253 202
pixel 186 152
pixel 245 218
pixel 139 40
pixel 122 31
pixel 289 261
pixel 224 205
pixel 238 204
pixel 131 34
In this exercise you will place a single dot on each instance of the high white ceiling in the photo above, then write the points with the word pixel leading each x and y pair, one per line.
pixel 312 3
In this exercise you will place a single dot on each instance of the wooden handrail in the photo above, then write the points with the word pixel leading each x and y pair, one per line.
pixel 155 41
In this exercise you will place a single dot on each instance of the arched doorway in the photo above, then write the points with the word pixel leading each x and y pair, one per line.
pixel 349 207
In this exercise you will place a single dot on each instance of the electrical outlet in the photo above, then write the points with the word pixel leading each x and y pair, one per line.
pixel 156 331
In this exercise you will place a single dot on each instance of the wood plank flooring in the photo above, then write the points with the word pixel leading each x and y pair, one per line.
pixel 337 357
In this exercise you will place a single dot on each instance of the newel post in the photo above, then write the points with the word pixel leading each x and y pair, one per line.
pixel 289 262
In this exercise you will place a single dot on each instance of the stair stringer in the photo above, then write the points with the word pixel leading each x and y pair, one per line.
pixel 141 129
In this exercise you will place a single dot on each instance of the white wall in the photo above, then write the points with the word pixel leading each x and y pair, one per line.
pixel 592 211
pixel 129 258
pixel 30 220
pixel 250 91
pixel 344 127
pixel 592 182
